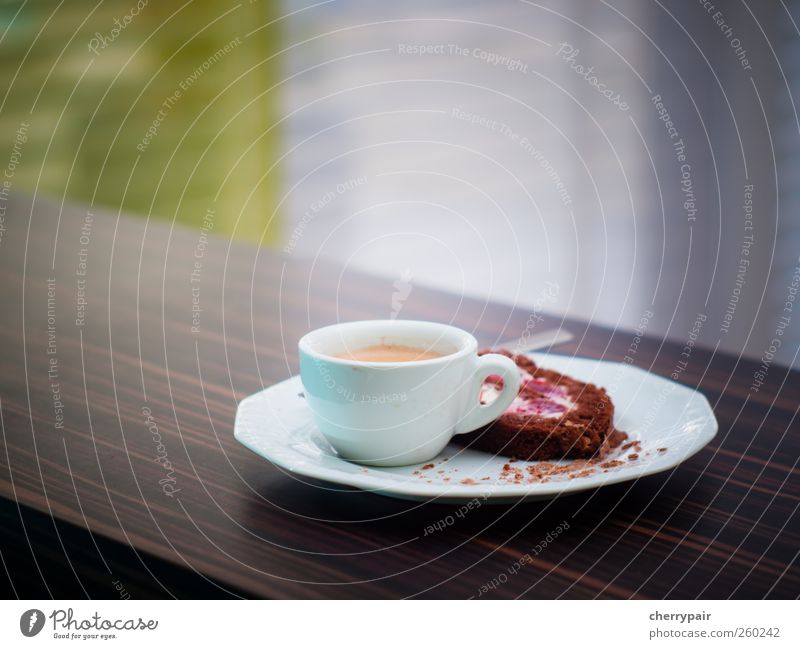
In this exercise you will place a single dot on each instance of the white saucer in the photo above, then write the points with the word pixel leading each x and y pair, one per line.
pixel 671 422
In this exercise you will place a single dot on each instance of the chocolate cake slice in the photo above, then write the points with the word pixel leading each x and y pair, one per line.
pixel 553 416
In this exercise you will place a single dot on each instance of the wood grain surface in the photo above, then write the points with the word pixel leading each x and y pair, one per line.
pixel 87 505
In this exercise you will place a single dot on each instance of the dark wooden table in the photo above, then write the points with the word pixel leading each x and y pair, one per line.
pixel 90 506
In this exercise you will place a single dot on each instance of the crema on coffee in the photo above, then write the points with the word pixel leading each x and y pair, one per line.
pixel 385 353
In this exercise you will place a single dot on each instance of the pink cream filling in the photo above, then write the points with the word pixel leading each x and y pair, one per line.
pixel 537 396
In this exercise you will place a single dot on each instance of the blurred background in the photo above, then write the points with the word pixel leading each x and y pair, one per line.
pixel 633 163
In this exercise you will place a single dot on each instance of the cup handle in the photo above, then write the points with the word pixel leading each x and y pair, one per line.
pixel 481 415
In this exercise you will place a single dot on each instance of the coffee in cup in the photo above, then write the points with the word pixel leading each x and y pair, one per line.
pixel 394 392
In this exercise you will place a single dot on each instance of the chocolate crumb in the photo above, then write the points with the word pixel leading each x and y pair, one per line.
pixel 519 472
pixel 662 449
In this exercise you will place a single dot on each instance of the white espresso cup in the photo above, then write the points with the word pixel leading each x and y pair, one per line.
pixel 403 412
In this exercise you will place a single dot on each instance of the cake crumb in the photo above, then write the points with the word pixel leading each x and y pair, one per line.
pixel 521 472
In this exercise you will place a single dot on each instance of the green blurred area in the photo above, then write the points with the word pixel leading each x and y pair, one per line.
pixel 213 146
